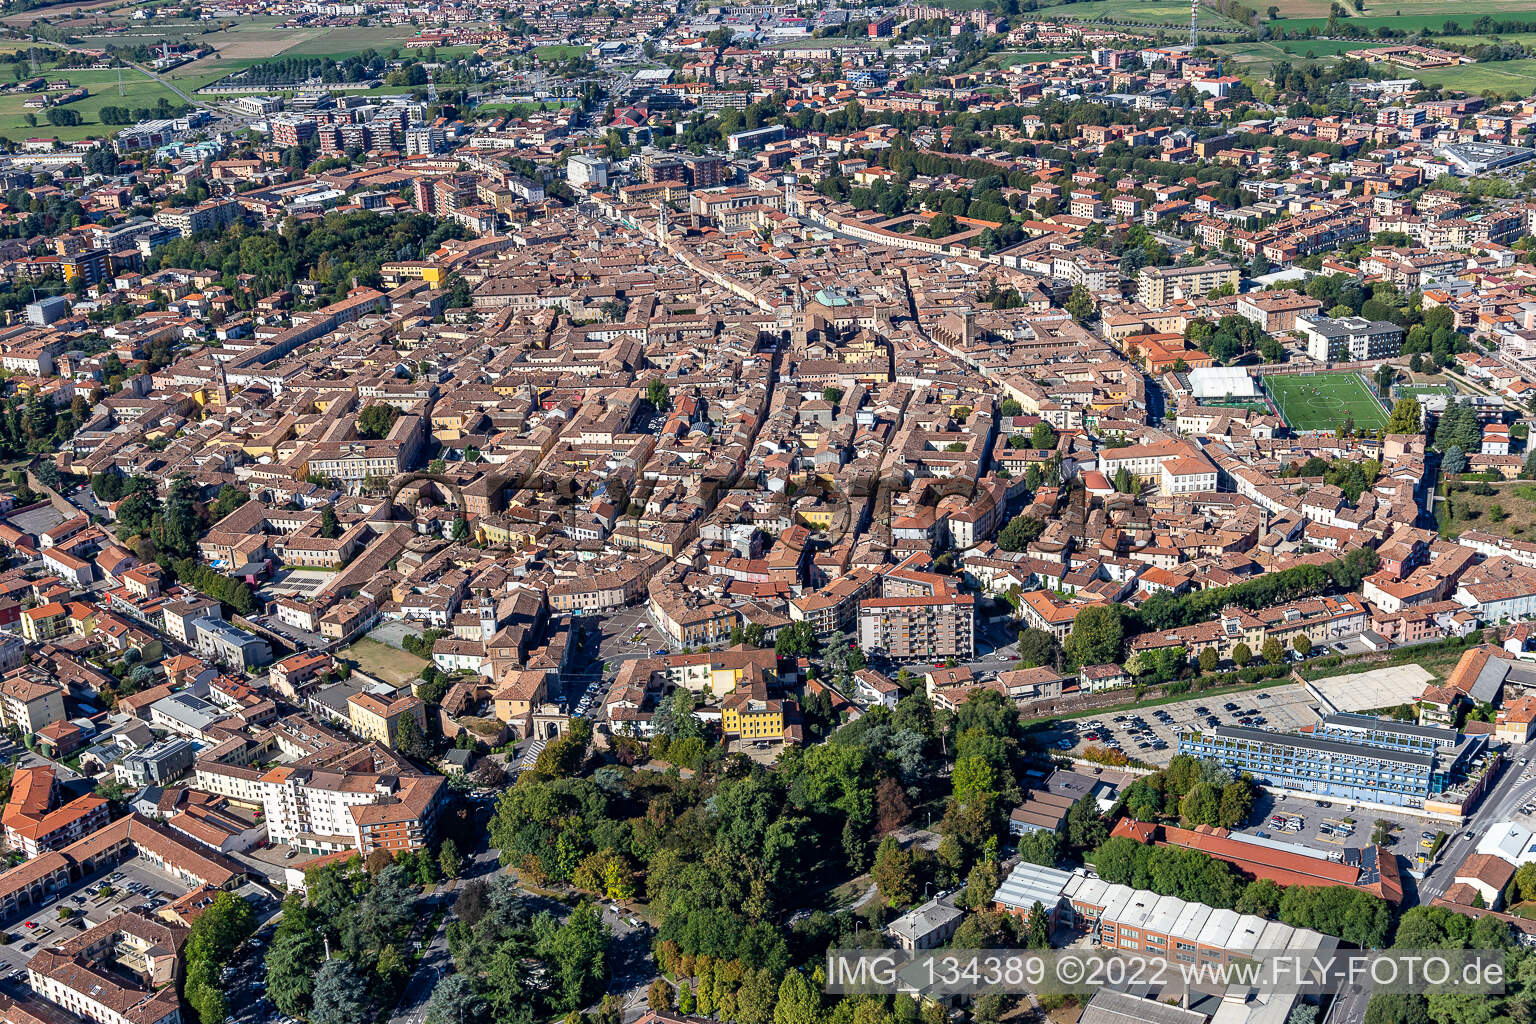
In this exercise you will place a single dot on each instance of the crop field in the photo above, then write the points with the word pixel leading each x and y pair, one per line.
pixel 1462 15
pixel 350 40
pixel 138 90
pixel 1505 76
pixel 1146 12
pixel 1155 13
pixel 1466 10
pixel 1322 401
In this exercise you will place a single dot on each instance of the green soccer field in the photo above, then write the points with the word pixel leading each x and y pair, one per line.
pixel 1322 401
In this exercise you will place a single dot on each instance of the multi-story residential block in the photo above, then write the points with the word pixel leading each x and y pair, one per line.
pixel 156 765
pixel 227 644
pixel 920 628
pixel 327 811
pixel 1156 287
pixel 37 818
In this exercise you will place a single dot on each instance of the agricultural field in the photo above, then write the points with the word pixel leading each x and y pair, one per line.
pixel 350 40
pixel 1434 22
pixel 1505 76
pixel 1291 10
pixel 1155 13
pixel 1322 401
pixel 138 90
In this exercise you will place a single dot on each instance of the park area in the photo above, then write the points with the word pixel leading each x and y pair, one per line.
pixel 1324 401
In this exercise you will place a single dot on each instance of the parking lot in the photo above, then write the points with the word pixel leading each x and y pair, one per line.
pixel 1333 826
pixel 134 884
pixel 620 632
pixel 1151 734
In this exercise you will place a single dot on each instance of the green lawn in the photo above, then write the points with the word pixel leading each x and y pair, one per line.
pixel 1421 390
pixel 1322 401
pixel 556 52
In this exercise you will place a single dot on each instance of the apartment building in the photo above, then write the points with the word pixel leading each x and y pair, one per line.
pixel 29 702
pixel 1276 312
pixel 229 645
pixel 920 628
pixel 319 811
pixel 37 820
pixel 1156 287
pixel 206 216
pixel 750 714
pixel 835 607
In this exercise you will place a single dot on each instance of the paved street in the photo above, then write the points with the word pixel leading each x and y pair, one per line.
pixel 435 959
pixel 1511 792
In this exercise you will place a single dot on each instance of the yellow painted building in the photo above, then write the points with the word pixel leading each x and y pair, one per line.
pixel 749 716
pixel 378 718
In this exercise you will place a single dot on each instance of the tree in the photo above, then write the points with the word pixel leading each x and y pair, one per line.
pixel 1393 1008
pixel 290 962
pixel 1407 417
pixel 1385 375
pixel 1201 805
pixel 894 873
pixel 656 394
pixel 799 1002
pixel 1241 655
pixel 329 527
pixel 1273 651
pixel 340 995
pixel 1085 828
pixel 376 421
pixel 1020 532
pixel 455 1000
pixel 1042 435
pixel 1041 847
pixel 1080 303
pixel 1037 647
pixel 459 532
pixel 577 951
pixel 1236 803
pixel 1302 645
pixel 1097 632
pixel 1209 659
pixel 449 859
pixel 659 996
pixel 1037 933
pixel 409 738
pixel 798 640
pixel 1455 460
